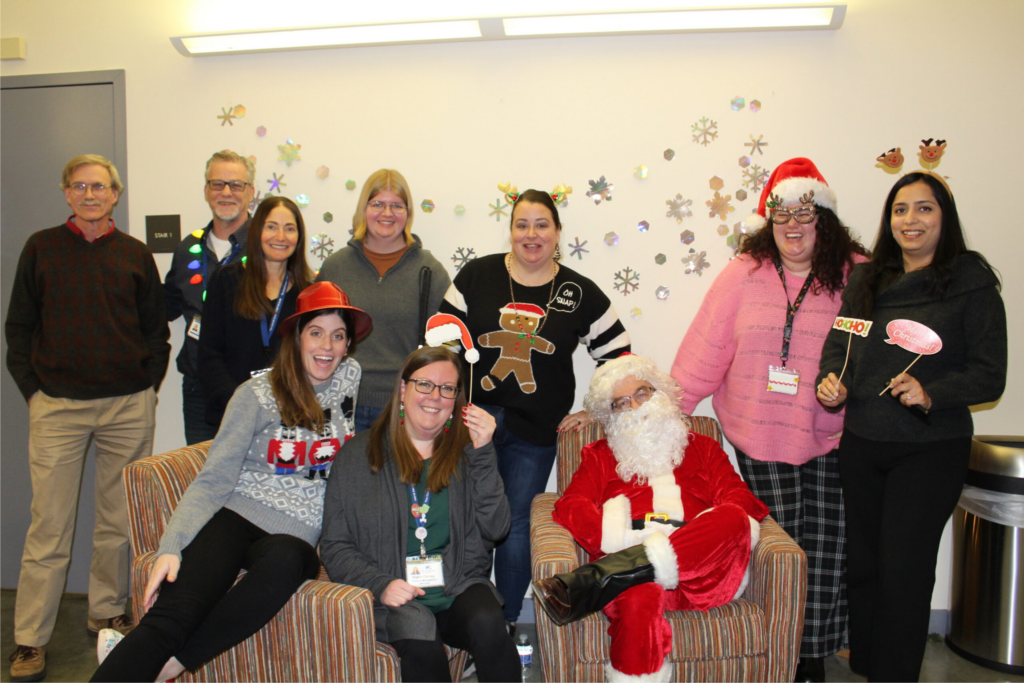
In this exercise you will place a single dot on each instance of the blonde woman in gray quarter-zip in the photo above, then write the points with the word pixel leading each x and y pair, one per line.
pixel 387 272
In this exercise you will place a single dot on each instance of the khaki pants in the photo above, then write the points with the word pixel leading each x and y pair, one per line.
pixel 60 430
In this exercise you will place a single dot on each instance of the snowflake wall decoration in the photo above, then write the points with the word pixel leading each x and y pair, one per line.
pixel 601 189
pixel 756 145
pixel 627 281
pixel 238 111
pixel 695 262
pixel 735 238
pixel 322 172
pixel 679 208
pixel 226 115
pixel 255 202
pixel 704 131
pixel 462 256
pixel 577 249
pixel 276 184
pixel 289 152
pixel 636 312
pixel 498 209
pixel 720 206
pixel 321 245
pixel 261 130
pixel 755 177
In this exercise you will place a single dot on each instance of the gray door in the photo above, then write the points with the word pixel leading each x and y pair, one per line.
pixel 46 120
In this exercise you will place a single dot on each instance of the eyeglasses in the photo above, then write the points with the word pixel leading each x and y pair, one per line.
pixel 642 396
pixel 425 386
pixel 98 189
pixel 395 208
pixel 237 186
pixel 805 216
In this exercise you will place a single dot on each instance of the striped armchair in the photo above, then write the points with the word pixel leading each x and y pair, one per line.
pixel 324 633
pixel 753 638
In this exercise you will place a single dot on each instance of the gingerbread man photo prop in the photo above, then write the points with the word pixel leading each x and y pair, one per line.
pixel 517 339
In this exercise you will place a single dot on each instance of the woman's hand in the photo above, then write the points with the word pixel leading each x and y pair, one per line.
pixel 574 421
pixel 910 392
pixel 165 567
pixel 399 592
pixel 831 392
pixel 481 425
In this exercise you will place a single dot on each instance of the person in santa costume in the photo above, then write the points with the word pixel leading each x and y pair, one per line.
pixel 694 557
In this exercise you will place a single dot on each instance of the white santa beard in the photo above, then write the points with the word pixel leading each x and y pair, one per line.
pixel 648 442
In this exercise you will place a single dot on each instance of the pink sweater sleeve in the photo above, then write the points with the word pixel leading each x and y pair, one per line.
pixel 709 346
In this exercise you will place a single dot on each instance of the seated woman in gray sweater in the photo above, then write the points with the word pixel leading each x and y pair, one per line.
pixel 428 472
pixel 257 504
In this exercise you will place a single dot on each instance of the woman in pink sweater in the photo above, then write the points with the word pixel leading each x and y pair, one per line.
pixel 755 346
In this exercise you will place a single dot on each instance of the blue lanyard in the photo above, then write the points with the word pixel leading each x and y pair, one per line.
pixel 268 330
pixel 421 519
pixel 224 261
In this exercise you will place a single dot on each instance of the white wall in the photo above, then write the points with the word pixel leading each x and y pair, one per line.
pixel 457 119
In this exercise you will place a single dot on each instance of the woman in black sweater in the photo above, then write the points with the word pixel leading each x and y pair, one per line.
pixel 904 453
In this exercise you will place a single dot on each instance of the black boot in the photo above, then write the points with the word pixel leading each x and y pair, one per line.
pixel 810 670
pixel 572 596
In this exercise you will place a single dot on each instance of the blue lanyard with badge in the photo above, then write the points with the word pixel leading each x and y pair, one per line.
pixel 195 325
pixel 422 571
pixel 268 329
pixel 783 380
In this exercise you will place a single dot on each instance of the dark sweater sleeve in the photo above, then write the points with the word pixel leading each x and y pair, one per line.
pixel 214 373
pixel 153 320
pixel 22 322
pixel 493 515
pixel 982 377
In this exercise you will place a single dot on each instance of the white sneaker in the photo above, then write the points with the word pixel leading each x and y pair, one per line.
pixel 108 639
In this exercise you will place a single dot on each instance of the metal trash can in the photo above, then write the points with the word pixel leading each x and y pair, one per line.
pixel 987 615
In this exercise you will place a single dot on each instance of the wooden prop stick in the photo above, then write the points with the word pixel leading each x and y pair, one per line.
pixel 904 370
pixel 849 343
pixel 471 384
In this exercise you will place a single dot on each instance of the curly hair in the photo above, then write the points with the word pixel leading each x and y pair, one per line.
pixel 598 400
pixel 834 248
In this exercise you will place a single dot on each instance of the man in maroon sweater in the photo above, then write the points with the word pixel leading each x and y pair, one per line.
pixel 87 345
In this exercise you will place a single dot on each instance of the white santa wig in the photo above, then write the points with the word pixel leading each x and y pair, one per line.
pixel 598 401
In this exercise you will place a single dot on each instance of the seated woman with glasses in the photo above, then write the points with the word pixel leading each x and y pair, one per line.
pixel 386 269
pixel 414 519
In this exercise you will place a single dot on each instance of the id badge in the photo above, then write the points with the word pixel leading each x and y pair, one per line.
pixel 782 380
pixel 424 572
pixel 193 329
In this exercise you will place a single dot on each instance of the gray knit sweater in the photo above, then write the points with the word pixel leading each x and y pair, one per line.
pixel 393 301
pixel 271 475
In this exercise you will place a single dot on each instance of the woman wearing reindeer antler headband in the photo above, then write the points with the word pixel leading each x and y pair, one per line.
pixel 904 452
pixel 527 314
pixel 757 334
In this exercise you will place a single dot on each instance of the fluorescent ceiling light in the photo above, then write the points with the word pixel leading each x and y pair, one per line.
pixel 311 38
pixel 663 22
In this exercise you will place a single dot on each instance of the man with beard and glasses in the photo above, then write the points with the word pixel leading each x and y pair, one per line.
pixel 667 521
pixel 229 191
pixel 87 346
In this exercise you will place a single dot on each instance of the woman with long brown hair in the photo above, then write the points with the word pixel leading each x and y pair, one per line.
pixel 414 520
pixel 246 300
pixel 257 504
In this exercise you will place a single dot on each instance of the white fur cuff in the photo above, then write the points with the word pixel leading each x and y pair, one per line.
pixel 755 533
pixel 662 675
pixel 667 497
pixel 616 524
pixel 661 554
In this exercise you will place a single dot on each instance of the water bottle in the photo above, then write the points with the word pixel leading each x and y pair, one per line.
pixel 525 654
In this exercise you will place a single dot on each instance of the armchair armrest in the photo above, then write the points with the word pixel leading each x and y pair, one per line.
pixel 552 548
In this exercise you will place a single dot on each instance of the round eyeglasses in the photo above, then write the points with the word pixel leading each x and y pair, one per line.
pixel 642 395
pixel 98 189
pixel 380 206
pixel 425 386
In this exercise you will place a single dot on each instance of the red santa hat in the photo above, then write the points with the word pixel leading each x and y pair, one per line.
pixel 523 309
pixel 443 328
pixel 794 181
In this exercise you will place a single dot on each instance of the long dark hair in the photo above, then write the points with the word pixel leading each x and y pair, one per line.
pixel 295 398
pixel 251 299
pixel 886 264
pixel 832 259
pixel 388 435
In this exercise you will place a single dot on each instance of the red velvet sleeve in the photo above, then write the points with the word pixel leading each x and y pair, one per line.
pixel 580 508
pixel 726 484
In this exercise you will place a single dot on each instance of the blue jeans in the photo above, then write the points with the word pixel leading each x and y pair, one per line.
pixel 524 469
pixel 193 408
pixel 366 416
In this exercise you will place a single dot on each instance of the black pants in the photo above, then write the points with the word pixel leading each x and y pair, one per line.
pixel 899 497
pixel 475 623
pixel 201 615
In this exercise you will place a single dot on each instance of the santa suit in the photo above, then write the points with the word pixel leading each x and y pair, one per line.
pixel 699 566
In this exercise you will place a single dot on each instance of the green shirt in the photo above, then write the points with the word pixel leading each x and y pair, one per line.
pixel 438 534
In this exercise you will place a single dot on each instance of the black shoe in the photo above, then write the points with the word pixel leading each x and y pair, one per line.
pixel 572 596
pixel 810 670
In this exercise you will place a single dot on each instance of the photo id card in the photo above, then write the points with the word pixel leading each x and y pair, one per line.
pixel 424 572
pixel 193 329
pixel 782 380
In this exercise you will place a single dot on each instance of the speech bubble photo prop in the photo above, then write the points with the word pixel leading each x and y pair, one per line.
pixel 914 337
pixel 443 329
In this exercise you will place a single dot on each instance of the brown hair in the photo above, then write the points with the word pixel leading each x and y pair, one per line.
pixel 388 435
pixel 296 400
pixel 379 181
pixel 251 299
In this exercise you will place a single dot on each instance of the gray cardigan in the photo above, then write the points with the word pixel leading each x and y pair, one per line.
pixel 365 531
pixel 393 301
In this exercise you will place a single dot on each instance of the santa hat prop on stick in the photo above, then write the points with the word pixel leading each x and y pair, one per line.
pixel 443 328
pixel 796 181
